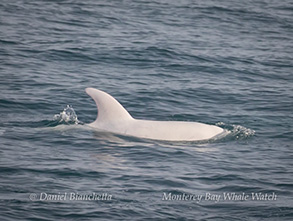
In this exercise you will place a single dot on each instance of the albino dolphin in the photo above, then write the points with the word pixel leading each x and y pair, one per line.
pixel 113 117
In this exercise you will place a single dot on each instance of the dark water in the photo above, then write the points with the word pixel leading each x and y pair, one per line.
pixel 228 63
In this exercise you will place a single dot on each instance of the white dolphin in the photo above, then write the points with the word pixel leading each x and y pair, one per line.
pixel 113 117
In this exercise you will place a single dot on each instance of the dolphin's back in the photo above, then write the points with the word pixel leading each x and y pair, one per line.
pixel 173 130
pixel 113 117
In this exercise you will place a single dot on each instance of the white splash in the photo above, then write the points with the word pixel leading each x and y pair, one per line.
pixel 237 131
pixel 68 116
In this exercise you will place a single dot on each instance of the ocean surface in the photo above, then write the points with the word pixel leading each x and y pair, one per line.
pixel 226 63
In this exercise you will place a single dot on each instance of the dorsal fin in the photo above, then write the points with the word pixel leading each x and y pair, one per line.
pixel 109 109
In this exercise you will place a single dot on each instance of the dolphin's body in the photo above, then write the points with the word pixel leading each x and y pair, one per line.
pixel 112 117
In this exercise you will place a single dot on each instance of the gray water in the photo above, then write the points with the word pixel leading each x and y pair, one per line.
pixel 223 63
